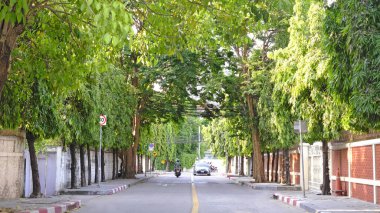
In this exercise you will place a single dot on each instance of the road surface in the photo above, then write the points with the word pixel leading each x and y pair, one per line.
pixel 187 194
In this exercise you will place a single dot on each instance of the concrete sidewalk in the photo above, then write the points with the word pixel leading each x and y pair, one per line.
pixel 109 187
pixel 248 181
pixel 72 199
pixel 292 195
pixel 325 203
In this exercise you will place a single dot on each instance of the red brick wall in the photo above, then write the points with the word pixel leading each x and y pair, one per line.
pixel 362 192
pixel 378 193
pixel 297 180
pixel 295 162
pixel 340 160
pixel 362 162
pixel 270 166
pixel 335 158
pixel 344 185
pixel 377 155
pixel 344 163
pixel 361 167
pixel 294 167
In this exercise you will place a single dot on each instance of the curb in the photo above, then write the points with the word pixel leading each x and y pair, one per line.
pixel 293 201
pixel 58 208
pixel 124 187
pixel 107 191
pixel 117 189
pixel 267 187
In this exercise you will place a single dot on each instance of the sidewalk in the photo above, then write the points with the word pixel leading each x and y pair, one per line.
pixel 293 195
pixel 72 199
pixel 109 187
pixel 325 203
pixel 248 181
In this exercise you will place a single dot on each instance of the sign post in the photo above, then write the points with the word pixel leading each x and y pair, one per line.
pixel 150 149
pixel 301 127
pixel 102 122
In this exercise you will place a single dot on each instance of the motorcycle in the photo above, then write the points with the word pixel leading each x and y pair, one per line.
pixel 177 172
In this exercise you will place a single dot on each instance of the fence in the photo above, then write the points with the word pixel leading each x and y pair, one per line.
pixel 54 170
pixel 359 170
pixel 11 164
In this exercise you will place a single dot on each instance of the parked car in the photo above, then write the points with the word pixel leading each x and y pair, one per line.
pixel 201 168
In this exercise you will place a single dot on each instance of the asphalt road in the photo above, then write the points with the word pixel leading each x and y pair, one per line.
pixel 187 194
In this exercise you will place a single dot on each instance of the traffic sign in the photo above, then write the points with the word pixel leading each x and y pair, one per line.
pixel 103 120
pixel 151 147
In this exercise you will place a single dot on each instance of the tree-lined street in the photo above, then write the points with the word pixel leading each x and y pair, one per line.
pixel 188 77
pixel 166 193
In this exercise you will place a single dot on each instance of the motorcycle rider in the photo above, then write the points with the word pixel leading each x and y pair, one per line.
pixel 177 165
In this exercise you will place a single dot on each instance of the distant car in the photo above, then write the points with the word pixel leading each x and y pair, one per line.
pixel 202 169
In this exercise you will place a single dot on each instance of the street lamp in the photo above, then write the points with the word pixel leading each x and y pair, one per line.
pixel 301 127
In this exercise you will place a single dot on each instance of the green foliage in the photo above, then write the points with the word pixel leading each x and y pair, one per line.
pixel 188 160
pixel 353 33
pixel 172 141
pixel 301 73
pixel 224 138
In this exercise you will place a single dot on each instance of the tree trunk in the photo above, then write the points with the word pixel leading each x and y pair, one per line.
pixel 277 159
pixel 82 166
pixel 252 159
pixel 146 167
pixel 130 173
pixel 154 163
pixel 102 163
pixel 123 168
pixel 282 169
pixel 241 165
pixel 124 165
pixel 113 164
pixel 268 163
pixel 8 38
pixel 136 123
pixel 96 165
pixel 326 177
pixel 287 167
pixel 229 166
pixel 117 162
pixel 89 164
pixel 263 158
pixel 167 165
pixel 136 138
pixel 273 170
pixel 31 138
pixel 73 165
pixel 140 164
pixel 259 175
pixel 236 165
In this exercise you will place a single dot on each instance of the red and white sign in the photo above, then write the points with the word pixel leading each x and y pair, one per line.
pixel 103 120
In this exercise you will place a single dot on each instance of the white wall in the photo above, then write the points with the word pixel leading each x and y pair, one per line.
pixel 58 172
pixel 11 166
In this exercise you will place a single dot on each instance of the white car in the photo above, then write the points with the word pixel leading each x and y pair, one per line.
pixel 202 169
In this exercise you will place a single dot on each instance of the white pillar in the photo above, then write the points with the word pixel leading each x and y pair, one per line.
pixel 374 173
pixel 349 157
pixel 306 165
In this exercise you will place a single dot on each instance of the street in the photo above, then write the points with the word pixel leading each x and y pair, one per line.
pixel 166 193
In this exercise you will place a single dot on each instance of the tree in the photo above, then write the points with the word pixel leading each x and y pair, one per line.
pixel 302 71
pixel 19 17
pixel 352 31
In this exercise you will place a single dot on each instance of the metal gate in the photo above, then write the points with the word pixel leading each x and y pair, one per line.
pixel 315 166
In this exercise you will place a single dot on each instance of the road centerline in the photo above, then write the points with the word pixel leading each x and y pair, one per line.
pixel 194 196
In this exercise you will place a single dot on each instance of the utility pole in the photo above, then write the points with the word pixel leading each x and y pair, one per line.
pixel 302 165
pixel 199 142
